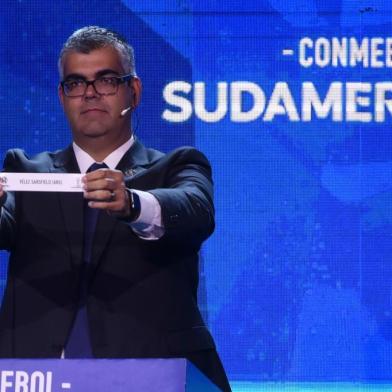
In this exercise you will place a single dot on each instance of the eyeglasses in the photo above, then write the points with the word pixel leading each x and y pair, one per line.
pixel 105 85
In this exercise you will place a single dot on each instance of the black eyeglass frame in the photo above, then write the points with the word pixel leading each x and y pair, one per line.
pixel 120 80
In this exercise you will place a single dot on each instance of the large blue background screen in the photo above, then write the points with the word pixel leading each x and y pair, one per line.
pixel 291 101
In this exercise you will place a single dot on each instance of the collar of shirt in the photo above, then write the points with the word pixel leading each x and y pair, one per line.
pixel 85 160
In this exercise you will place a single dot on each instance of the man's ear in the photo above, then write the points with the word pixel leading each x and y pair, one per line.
pixel 60 94
pixel 136 91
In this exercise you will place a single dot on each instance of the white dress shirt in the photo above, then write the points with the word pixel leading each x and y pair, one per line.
pixel 149 223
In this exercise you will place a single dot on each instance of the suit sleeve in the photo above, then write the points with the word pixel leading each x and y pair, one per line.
pixel 186 200
pixel 7 217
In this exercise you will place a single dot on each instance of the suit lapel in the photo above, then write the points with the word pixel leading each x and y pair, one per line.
pixel 71 204
pixel 134 161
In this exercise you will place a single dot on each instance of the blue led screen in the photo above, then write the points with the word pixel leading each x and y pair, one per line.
pixel 291 100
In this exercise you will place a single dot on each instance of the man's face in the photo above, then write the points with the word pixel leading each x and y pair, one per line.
pixel 94 115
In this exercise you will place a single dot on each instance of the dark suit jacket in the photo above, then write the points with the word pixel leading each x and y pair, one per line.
pixel 142 294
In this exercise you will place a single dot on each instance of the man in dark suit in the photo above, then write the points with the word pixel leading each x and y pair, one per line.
pixel 112 272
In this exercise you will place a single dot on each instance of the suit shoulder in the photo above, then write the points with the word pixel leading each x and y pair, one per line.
pixel 17 160
pixel 154 155
pixel 188 153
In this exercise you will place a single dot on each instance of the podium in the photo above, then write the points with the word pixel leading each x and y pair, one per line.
pixel 102 375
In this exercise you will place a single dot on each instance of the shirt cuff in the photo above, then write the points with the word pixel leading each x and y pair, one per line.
pixel 149 223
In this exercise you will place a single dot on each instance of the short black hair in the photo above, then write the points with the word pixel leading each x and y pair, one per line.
pixel 89 38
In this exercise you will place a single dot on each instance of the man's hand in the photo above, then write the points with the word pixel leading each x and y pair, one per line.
pixel 105 190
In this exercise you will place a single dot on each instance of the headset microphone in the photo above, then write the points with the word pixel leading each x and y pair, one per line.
pixel 125 111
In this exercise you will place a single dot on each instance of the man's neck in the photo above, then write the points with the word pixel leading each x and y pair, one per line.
pixel 99 148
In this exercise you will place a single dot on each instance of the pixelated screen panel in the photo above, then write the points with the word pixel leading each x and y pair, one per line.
pixel 291 102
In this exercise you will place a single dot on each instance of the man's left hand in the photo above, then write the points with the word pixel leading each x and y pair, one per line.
pixel 105 190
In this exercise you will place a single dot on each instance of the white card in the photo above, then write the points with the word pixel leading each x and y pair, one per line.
pixel 42 182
